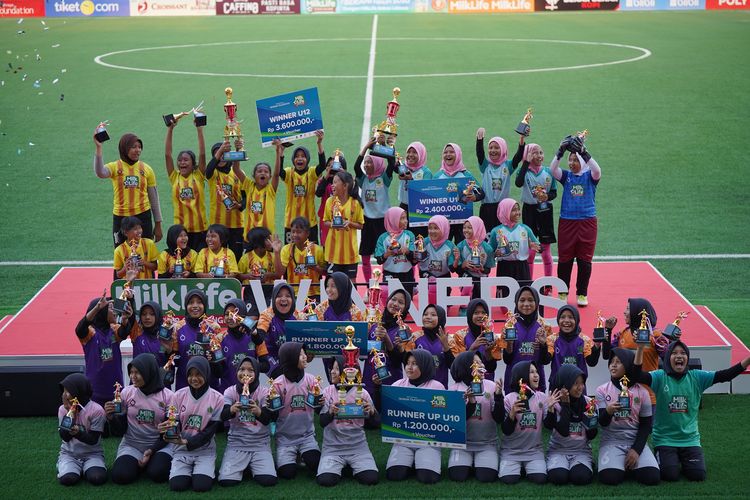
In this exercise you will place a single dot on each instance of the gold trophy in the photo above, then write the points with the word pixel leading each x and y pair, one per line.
pixel 117 399
pixel 120 304
pixel 401 166
pixel 600 333
pixel 310 313
pixel 169 369
pixel 309 254
pixel 179 266
pixel 673 330
pixel 245 396
pixel 217 352
pixel 378 362
pixel 175 117
pixel 503 245
pixel 477 386
pixel 69 418
pixel 387 130
pixel 470 189
pixel 101 134
pixel 539 192
pixel 313 394
pixel 336 164
pixel 351 373
pixel 419 253
pixel 476 258
pixel 523 128
pixel 510 333
pixel 403 331
pixel 373 313
pixel 591 418
pixel 543 332
pixel 220 267
pixel 522 396
pixel 173 431
pixel 337 217
pixel 643 334
pixel 624 398
pixel 232 129
pixel 487 332
pixel 274 400
pixel 225 198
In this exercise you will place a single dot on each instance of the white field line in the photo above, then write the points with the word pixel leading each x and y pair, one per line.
pixel 367 116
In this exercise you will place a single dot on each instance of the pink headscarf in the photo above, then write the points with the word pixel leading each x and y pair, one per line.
pixel 445 227
pixel 503 150
pixel 458 164
pixel 532 146
pixel 477 226
pixel 421 155
pixel 378 164
pixel 503 211
pixel 392 220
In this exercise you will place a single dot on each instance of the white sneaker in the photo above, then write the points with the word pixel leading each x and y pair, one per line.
pixel 583 301
pixel 562 296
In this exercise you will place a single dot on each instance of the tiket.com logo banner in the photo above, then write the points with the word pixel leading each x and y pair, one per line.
pixel 172 7
pixel 257 7
pixel 87 8
pixel 558 5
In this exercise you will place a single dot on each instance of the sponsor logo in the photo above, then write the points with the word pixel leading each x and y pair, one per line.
pixel 728 4
pixel 640 4
pixel 253 7
pixel 678 404
pixel 298 402
pixel 131 181
pixel 194 422
pixel 438 402
pixel 528 420
pixel 18 8
pixel 551 5
pixel 320 6
pixel 145 417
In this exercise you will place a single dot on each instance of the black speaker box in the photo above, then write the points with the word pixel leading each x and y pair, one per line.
pixel 32 391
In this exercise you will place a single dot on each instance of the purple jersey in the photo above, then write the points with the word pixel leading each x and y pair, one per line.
pixel 103 362
pixel 568 352
pixel 393 362
pixel 525 350
pixel 147 343
pixel 275 334
pixel 434 347
pixel 188 347
pixel 235 350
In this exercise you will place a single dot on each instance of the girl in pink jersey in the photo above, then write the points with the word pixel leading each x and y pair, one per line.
pixel 295 430
pixel 81 452
pixel 481 430
pixel 199 408
pixel 249 439
pixel 419 372
pixel 344 441
pixel 144 404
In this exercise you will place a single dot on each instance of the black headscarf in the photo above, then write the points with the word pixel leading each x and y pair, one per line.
pixel 307 155
pixel 276 289
pixel 667 362
pixel 153 378
pixel 627 358
pixel 152 331
pixel 566 377
pixel 242 311
pixel 431 333
pixel 461 367
pixel 476 330
pixel 201 364
pixel 194 322
pixel 388 319
pixel 576 317
pixel 101 320
pixel 256 380
pixel 344 285
pixel 289 360
pixel 636 306
pixel 127 141
pixel 521 370
pixel 531 318
pixel 227 165
pixel 426 365
pixel 172 234
pixel 78 386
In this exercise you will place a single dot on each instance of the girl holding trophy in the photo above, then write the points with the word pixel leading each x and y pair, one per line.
pixel 453 168
pixel 496 170
pixel 477 338
pixel 344 216
pixel 439 254
pixel 271 324
pixel 178 260
pixel 412 169
pixel 216 260
pixel 395 247
pixel 512 241
pixel 433 339
pixel 475 255
pixel 570 343
pixel 324 188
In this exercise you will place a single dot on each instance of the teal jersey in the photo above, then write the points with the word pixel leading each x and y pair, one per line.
pixel 375 198
pixel 486 257
pixel 398 263
pixel 677 402
pixel 496 180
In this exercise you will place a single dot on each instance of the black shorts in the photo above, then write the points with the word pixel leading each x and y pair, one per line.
pixel 488 214
pixel 541 222
pixel 348 269
pixel 371 231
pixel 516 269
pixel 146 225
pixel 689 458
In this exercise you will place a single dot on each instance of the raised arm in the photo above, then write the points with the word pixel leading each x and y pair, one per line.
pixel 201 150
pixel 277 164
pixel 480 149
pixel 168 159
pixel 99 169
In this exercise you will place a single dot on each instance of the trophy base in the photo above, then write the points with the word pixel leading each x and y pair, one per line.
pixel 227 202
pixel 102 136
pixel 169 379
pixel 310 261
pixel 217 357
pixel 118 305
pixel 169 119
pixel 489 337
pixel 337 222
pixel 312 317
pixel 313 400
pixel 218 272
pixel 118 407
pixel 511 334
pixel 172 433
pixel 336 166
pixel 350 412
pixel 275 404
pixel 523 129
pixel 600 334
pixel 244 401
pixel 590 421
pixel 477 389
pixel 200 120
pixel 542 207
pixel 525 405
pixel 672 331
pixel 249 322
pixel 504 251
pixel 66 424
pixel 165 334
pixel 383 373
pixel 643 337
pixel 402 170
pixel 387 152
pixel 404 335
pixel 178 270
pixel 234 156
pixel 476 261
pixel 419 256
pixel 624 402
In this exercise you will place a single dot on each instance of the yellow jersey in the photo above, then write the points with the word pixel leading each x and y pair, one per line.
pixel 208 260
pixel 130 184
pixel 166 260
pixel 261 206
pixel 218 213
pixel 264 265
pixel 188 200
pixel 300 195
pixel 146 250
pixel 293 260
pixel 341 244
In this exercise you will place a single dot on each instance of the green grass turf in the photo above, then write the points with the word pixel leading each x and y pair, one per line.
pixel 30 470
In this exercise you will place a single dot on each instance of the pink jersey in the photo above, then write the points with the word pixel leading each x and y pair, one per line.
pixel 144 413
pixel 623 427
pixel 527 435
pixel 575 441
pixel 90 418
pixel 195 414
pixel 295 423
pixel 430 384
pixel 344 437
pixel 244 429
pixel 481 429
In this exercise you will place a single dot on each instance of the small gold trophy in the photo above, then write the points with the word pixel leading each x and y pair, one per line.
pixel 169 369
pixel 543 332
pixel 590 414
pixel 69 418
pixel 476 258
pixel 232 129
pixel 523 128
pixel 313 394
pixel 120 304
pixel 673 330
pixel 487 332
pixel 624 398
pixel 600 333
pixel 245 396
pixel 175 117
pixel 274 400
pixel 309 254
pixel 337 218
pixel 378 362
pixel 101 134
pixel 522 396
pixel 336 164
pixel 358 401
pixel 117 399
pixel 403 331
pixel 419 253
pixel 477 373
pixel 225 198
pixel 643 335
pixel 503 246
pixel 510 333
pixel 217 352
pixel 173 431
pixel 387 130
pixel 220 267
pixel 470 189
pixel 310 313
pixel 400 165
pixel 538 193
pixel 179 266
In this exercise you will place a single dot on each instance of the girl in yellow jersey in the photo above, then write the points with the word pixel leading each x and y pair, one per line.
pixel 258 262
pixel 216 255
pixel 260 192
pixel 292 259
pixel 188 192
pixel 135 250
pixel 221 178
pixel 177 238
pixel 341 244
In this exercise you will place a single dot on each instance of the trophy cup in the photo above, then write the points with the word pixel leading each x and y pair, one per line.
pixel 624 397
pixel 217 353
pixel 225 198
pixel 509 329
pixel 274 400
pixel 338 218
pixel 245 396
pixel 336 164
pixel 175 117
pixel 470 189
pixel 419 253
pixel 487 332
pixel 543 332
pixel 372 313
pixel 313 394
pixel 387 130
pixel 402 168
pixel 523 128
pixel 477 384
pixel 119 305
pixel 476 259
pixel 204 330
pixel 179 266
pixel 673 330
pixel 245 321
pixel 394 246
pixel 169 370
pixel 173 431
pixel 69 418
pixel 502 245
pixel 522 397
pixel 101 134
pixel 539 191
pixel 309 254
pixel 590 415
pixel 403 331
pixel 219 269
pixel 232 129
pixel 600 333
pixel 643 334
pixel 135 259
pixel 351 372
pixel 117 399
pixel 378 362
pixel 309 310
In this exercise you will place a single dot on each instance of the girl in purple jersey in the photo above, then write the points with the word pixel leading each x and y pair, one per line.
pixel 145 334
pixel 239 343
pixel 569 346
pixel 271 324
pixel 433 339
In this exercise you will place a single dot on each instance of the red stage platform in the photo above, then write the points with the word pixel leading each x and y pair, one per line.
pixel 42 332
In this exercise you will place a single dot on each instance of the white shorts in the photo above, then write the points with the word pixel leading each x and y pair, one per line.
pixel 334 464
pixel 236 460
pixel 567 462
pixel 189 464
pixel 286 455
pixel 68 464
pixel 612 456
pixel 486 459
pixel 418 457
pixel 513 467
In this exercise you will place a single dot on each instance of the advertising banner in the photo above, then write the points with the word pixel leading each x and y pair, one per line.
pixel 318 6
pixel 664 4
pixel 483 6
pixel 290 116
pixel 172 8
pixel 326 338
pixel 256 7
pixel 355 6
pixel 555 5
pixel 437 197
pixel 86 8
pixel 727 4
pixel 423 417
pixel 22 8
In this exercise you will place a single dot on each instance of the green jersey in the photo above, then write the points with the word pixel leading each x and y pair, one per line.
pixel 677 401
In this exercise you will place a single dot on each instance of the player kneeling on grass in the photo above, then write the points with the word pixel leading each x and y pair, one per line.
pixel 678 392
pixel 81 425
